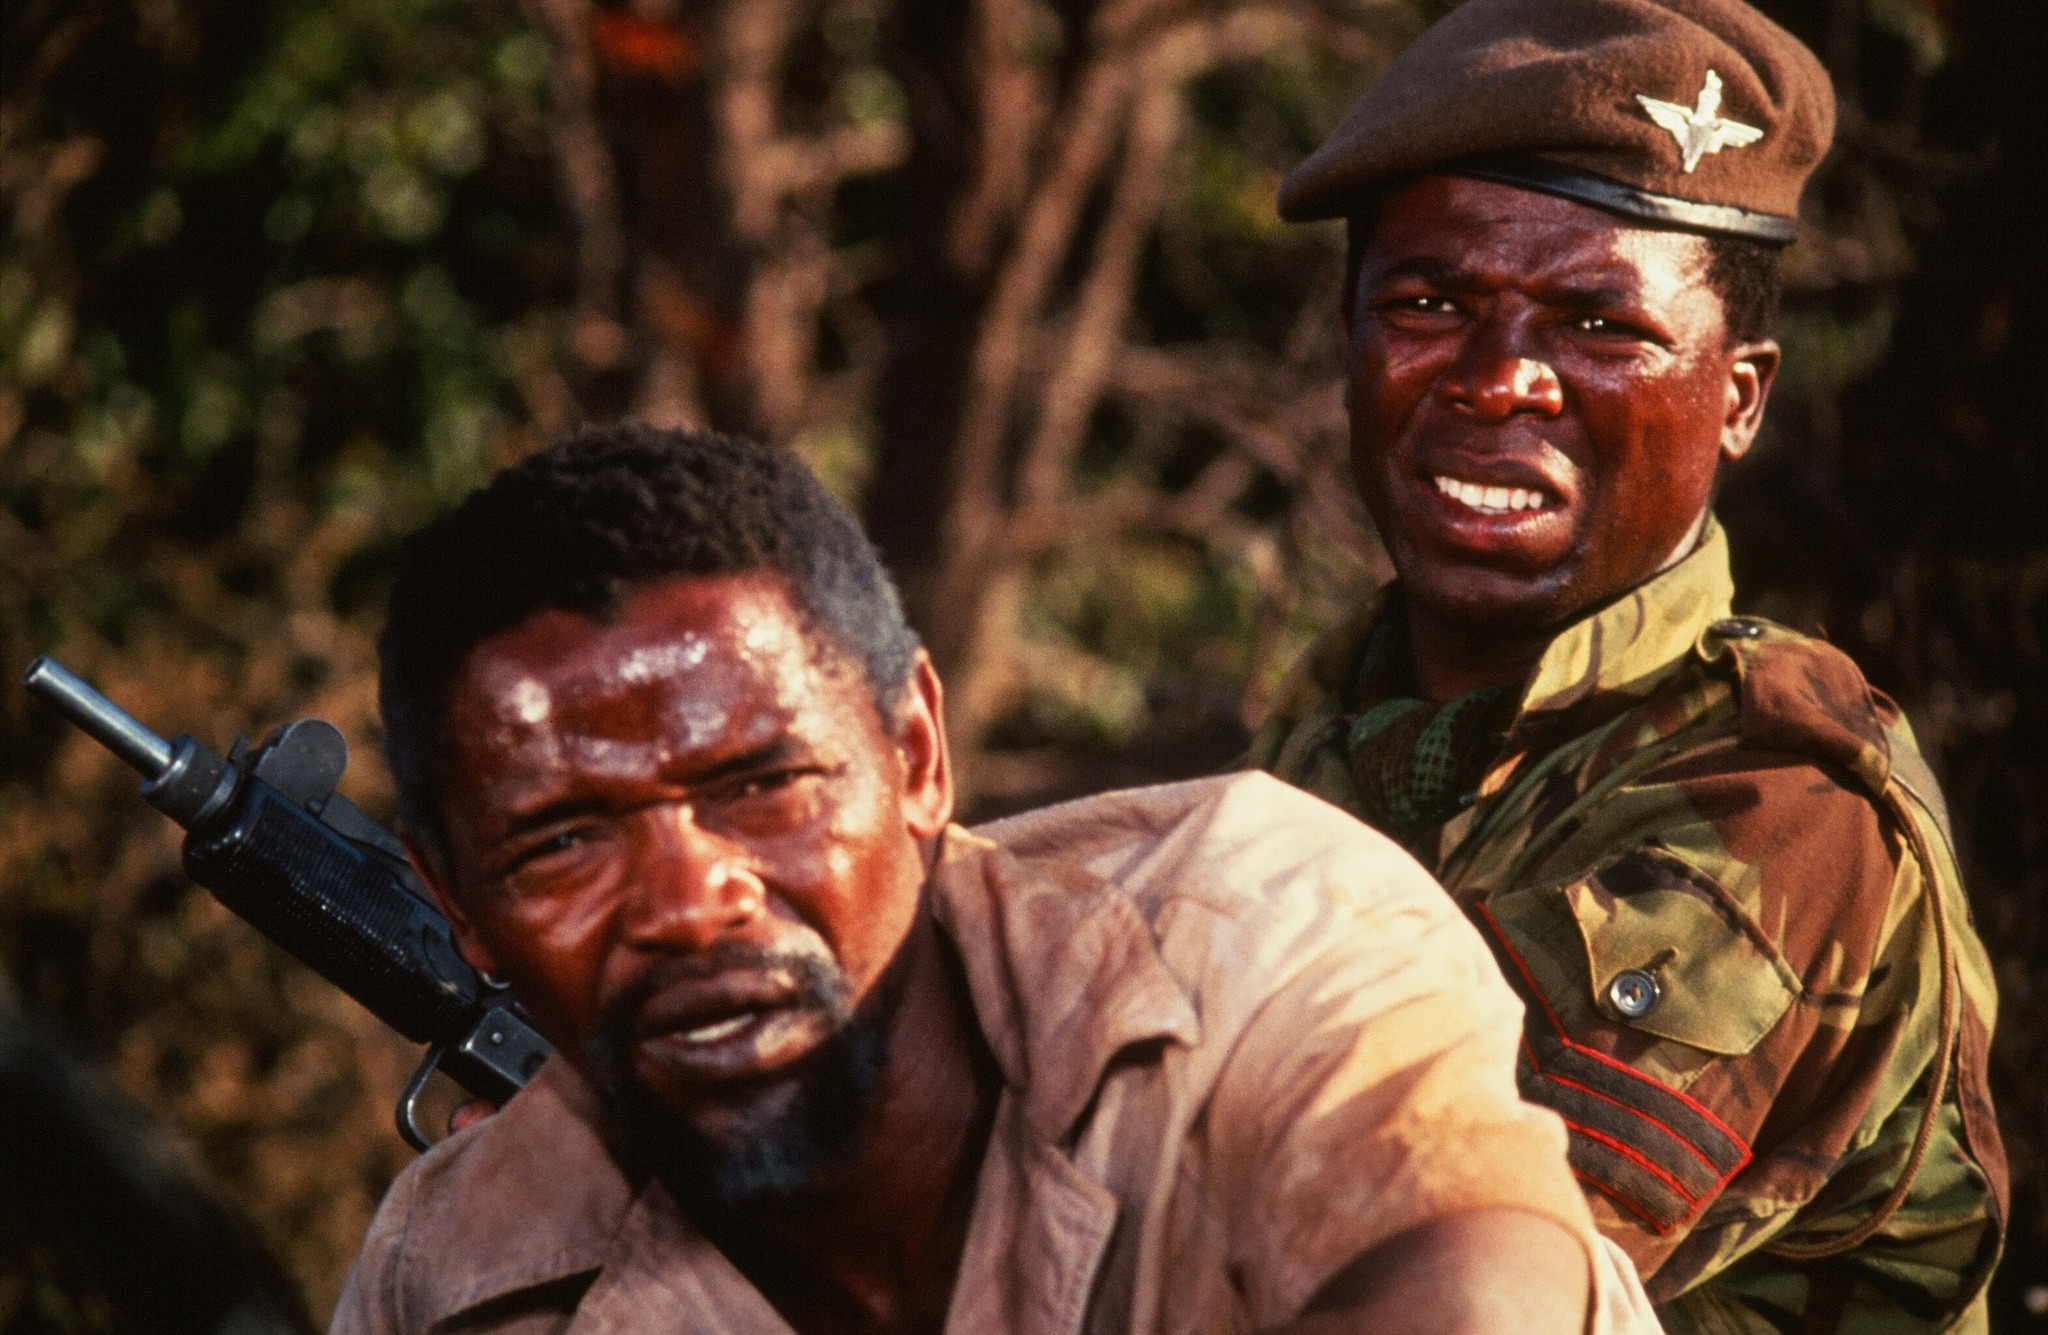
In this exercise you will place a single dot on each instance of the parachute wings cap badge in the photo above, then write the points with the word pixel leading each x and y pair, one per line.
pixel 1699 129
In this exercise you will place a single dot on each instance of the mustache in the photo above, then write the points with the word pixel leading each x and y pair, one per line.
pixel 819 984
pixel 776 1155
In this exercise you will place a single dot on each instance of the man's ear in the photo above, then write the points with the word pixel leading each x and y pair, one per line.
pixel 921 742
pixel 1752 369
pixel 434 874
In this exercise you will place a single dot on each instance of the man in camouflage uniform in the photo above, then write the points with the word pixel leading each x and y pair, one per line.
pixel 1706 852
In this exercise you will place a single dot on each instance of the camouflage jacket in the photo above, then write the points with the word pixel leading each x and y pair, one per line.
pixel 1713 862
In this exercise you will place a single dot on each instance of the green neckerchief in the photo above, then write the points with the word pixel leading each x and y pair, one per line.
pixel 1613 653
pixel 1414 762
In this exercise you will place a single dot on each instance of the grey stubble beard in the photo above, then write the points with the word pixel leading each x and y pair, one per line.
pixel 773 1153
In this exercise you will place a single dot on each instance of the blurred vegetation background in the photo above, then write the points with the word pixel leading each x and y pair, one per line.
pixel 280 278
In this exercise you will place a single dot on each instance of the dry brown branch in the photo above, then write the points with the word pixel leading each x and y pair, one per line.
pixel 974 574
pixel 983 568
pixel 537 376
pixel 754 37
pixel 1090 339
pixel 1199 513
pixel 1013 106
pixel 1204 505
pixel 781 322
pixel 1286 420
pixel 781 187
pixel 789 168
pixel 588 182
pixel 1124 22
pixel 668 394
pixel 1085 136
pixel 1255 408
pixel 676 319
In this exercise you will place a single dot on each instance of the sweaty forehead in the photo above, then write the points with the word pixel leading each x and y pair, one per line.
pixel 1458 231
pixel 707 639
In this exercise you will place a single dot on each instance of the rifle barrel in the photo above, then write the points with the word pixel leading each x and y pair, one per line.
pixel 98 717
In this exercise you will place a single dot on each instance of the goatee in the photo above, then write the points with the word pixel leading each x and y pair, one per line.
pixel 788 1144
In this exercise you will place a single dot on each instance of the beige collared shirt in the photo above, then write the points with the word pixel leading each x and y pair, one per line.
pixel 1244 1038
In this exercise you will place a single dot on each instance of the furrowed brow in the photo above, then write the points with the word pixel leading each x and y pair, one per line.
pixel 1437 273
pixel 1449 276
pixel 1587 299
pixel 550 813
pixel 779 751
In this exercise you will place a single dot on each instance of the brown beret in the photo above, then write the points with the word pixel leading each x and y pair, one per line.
pixel 1701 114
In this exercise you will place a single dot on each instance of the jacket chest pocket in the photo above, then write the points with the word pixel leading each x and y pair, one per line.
pixel 1643 942
pixel 1668 953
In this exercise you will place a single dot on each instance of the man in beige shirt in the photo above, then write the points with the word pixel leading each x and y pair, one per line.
pixel 1211 1057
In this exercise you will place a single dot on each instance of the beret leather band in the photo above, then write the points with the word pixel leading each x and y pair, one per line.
pixel 1550 178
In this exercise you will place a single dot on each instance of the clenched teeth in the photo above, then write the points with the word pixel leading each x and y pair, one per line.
pixel 711 1033
pixel 1490 500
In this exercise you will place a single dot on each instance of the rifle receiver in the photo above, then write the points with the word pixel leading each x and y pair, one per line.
pixel 281 848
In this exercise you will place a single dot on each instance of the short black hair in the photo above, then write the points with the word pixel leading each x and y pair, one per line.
pixel 1748 277
pixel 580 524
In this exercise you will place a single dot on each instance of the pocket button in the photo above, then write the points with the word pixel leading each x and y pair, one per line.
pixel 1633 993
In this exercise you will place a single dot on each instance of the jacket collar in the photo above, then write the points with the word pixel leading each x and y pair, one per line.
pixel 1629 641
pixel 1640 634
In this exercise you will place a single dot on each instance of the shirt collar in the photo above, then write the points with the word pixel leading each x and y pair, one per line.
pixel 560 1212
pixel 1063 971
pixel 1634 638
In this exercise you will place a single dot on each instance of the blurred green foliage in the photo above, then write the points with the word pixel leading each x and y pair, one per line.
pixel 268 253
pixel 270 279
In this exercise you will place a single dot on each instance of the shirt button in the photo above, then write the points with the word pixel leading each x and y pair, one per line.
pixel 1633 993
pixel 1736 628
